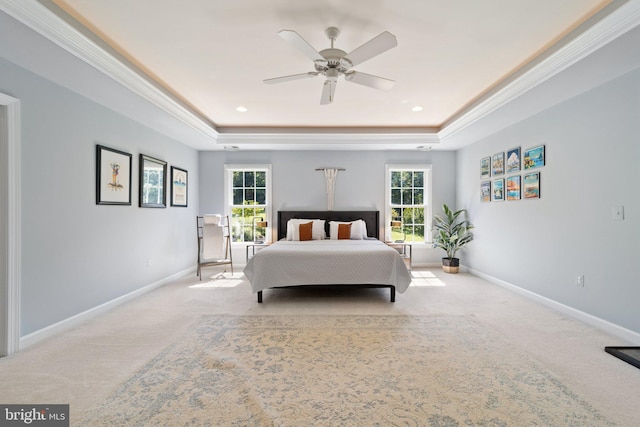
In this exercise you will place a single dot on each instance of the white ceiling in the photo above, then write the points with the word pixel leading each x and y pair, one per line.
pixel 215 54
pixel 211 57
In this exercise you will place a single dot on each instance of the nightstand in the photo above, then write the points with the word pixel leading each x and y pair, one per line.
pixel 405 251
pixel 253 247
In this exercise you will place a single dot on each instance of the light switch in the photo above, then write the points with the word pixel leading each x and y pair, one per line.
pixel 618 213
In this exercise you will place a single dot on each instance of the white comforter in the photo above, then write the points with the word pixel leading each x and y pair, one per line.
pixel 327 262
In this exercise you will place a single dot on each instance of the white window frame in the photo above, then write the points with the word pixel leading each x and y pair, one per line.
pixel 428 205
pixel 228 194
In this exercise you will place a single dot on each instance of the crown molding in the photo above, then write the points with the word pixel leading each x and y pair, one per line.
pixel 612 26
pixel 42 20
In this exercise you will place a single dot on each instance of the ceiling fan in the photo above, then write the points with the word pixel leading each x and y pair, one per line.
pixel 332 62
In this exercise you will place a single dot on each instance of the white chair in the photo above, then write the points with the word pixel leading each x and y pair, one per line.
pixel 214 242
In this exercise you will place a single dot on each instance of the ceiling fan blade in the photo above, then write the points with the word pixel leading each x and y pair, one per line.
pixel 328 92
pixel 381 43
pixel 369 80
pixel 291 77
pixel 301 44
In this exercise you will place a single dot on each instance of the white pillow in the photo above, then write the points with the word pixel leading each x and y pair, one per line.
pixel 293 228
pixel 363 227
pixel 358 229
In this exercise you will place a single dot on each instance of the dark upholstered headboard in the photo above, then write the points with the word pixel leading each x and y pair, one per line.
pixel 371 218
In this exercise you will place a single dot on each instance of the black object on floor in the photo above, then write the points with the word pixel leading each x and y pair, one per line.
pixel 630 355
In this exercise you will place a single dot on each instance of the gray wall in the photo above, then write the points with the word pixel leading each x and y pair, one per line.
pixel 297 185
pixel 592 146
pixel 77 255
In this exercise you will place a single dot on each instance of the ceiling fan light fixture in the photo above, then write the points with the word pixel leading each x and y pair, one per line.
pixel 332 74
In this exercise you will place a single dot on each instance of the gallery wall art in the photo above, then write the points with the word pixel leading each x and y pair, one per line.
pixel 113 176
pixel 114 180
pixel 513 166
pixel 179 187
pixel 153 182
pixel 534 157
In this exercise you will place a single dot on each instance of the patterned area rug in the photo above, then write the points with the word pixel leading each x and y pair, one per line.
pixel 343 371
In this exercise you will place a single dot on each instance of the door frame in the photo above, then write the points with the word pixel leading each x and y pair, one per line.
pixel 10 222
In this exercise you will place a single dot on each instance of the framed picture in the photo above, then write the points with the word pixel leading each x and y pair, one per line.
pixel 498 190
pixel 179 187
pixel 485 167
pixel 531 185
pixel 631 355
pixel 534 157
pixel 513 160
pixel 513 187
pixel 113 176
pixel 497 164
pixel 153 182
pixel 485 191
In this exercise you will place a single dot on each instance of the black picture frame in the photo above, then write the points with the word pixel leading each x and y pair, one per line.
pixel 113 176
pixel 153 182
pixel 631 355
pixel 485 191
pixel 513 161
pixel 497 190
pixel 485 167
pixel 513 188
pixel 534 157
pixel 531 185
pixel 497 164
pixel 179 187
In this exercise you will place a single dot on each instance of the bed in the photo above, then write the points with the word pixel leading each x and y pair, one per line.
pixel 358 261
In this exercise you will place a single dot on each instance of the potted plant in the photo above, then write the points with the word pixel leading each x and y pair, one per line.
pixel 451 232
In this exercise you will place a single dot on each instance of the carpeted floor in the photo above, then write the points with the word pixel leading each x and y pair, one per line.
pixel 317 370
pixel 454 350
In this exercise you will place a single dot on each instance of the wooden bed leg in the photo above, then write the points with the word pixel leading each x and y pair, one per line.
pixel 393 293
pixel 259 296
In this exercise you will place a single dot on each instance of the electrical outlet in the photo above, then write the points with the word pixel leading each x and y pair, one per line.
pixel 580 280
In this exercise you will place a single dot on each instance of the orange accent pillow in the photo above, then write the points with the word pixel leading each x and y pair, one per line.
pixel 306 231
pixel 344 231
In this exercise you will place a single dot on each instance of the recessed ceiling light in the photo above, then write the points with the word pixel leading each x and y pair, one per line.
pixel 417 108
pixel 241 109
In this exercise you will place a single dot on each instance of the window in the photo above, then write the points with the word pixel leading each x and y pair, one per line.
pixel 408 196
pixel 248 198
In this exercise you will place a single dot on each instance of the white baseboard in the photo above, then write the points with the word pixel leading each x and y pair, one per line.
pixel 73 321
pixel 604 325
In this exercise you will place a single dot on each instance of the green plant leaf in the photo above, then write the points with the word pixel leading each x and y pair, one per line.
pixel 451 231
